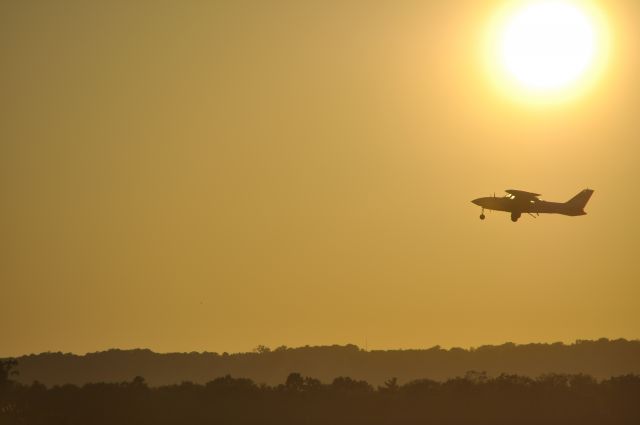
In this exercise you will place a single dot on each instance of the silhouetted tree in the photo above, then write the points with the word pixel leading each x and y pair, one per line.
pixel 390 386
pixel 294 382
pixel 262 349
pixel 9 410
pixel 7 369
pixel 348 385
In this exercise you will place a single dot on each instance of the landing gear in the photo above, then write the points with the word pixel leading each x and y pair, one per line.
pixel 482 215
pixel 515 216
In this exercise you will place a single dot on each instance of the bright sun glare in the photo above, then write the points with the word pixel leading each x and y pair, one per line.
pixel 546 47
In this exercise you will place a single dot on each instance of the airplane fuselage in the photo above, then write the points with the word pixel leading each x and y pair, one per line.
pixel 525 206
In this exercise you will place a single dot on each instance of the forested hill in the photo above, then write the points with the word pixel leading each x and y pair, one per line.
pixel 601 359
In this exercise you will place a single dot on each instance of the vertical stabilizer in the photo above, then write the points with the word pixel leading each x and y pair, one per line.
pixel 575 206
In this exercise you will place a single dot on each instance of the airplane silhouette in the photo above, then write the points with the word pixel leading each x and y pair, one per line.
pixel 518 201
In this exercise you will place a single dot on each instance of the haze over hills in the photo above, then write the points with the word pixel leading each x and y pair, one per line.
pixel 601 359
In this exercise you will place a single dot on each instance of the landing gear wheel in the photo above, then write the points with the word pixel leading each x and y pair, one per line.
pixel 482 216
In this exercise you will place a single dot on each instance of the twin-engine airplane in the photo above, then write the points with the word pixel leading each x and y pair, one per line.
pixel 517 202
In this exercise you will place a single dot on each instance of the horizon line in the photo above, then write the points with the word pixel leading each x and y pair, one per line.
pixel 283 347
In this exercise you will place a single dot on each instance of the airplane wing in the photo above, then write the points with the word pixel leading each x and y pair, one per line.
pixel 522 194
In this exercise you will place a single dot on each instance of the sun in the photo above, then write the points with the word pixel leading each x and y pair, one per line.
pixel 547 47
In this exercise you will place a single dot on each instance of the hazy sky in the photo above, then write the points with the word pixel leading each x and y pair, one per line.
pixel 202 175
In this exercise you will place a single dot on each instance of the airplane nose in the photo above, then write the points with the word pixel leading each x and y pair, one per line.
pixel 476 201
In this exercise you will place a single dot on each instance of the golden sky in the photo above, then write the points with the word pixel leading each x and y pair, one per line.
pixel 188 175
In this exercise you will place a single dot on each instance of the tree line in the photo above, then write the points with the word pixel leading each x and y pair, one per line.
pixel 474 398
pixel 601 359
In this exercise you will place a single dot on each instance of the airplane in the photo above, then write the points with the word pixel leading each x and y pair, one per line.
pixel 517 202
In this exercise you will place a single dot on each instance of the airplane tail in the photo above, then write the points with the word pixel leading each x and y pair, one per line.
pixel 575 205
